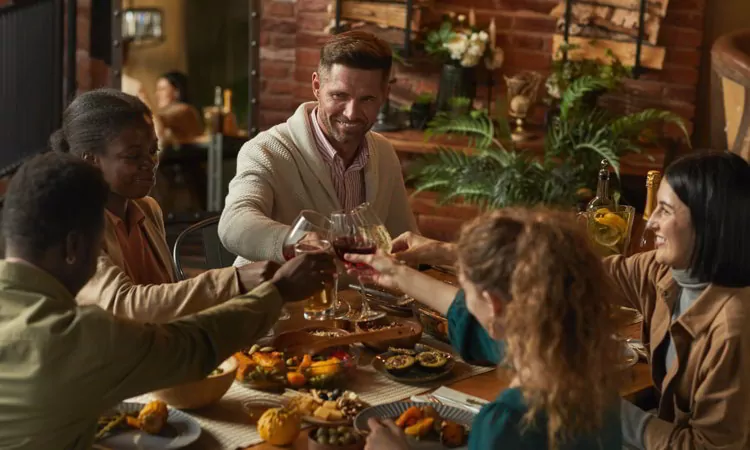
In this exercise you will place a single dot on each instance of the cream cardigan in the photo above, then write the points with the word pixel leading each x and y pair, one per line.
pixel 280 173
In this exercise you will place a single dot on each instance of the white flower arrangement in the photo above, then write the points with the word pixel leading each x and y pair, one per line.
pixel 464 46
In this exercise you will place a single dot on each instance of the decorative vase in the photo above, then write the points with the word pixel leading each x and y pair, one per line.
pixel 456 81
pixel 420 115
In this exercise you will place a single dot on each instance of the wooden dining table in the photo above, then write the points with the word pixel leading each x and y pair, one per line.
pixel 636 379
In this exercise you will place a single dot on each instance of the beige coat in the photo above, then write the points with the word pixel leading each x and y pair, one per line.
pixel 61 365
pixel 705 395
pixel 280 172
pixel 113 290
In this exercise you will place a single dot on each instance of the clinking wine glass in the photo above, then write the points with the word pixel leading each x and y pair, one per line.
pixel 350 235
pixel 309 226
pixel 366 215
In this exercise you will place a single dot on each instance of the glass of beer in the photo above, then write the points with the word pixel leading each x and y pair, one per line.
pixel 321 305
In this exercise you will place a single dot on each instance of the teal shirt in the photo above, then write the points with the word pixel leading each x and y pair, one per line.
pixel 499 424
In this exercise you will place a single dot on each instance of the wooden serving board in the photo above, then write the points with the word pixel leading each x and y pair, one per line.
pixel 651 57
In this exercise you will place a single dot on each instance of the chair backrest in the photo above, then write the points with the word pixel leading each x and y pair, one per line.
pixel 730 92
pixel 216 256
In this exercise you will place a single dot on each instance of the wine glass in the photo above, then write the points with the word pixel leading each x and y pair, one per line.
pixel 310 226
pixel 366 215
pixel 350 235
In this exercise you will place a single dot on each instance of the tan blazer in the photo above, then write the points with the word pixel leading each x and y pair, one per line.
pixel 114 291
pixel 705 395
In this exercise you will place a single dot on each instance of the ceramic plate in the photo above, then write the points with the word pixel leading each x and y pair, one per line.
pixel 393 410
pixel 180 431
pixel 416 375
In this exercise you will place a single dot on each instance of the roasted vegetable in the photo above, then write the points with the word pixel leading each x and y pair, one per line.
pixel 420 429
pixel 296 379
pixel 408 417
pixel 452 434
pixel 269 360
pixel 399 364
pixel 306 362
pixel 153 417
pixel 329 366
pixel 245 365
pixel 433 361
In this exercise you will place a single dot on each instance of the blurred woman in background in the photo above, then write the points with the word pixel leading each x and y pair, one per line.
pixel 177 121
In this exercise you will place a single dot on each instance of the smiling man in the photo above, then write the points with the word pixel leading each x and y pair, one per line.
pixel 324 158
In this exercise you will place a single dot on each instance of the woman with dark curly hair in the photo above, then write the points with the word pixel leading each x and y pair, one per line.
pixel 529 281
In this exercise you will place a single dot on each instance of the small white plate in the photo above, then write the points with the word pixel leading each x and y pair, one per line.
pixel 180 431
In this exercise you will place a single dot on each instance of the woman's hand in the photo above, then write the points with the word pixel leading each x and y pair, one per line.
pixel 414 249
pixel 385 435
pixel 383 269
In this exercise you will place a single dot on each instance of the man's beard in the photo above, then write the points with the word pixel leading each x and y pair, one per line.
pixel 340 136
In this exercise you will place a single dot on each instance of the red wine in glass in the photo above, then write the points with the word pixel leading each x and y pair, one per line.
pixel 348 244
pixel 288 251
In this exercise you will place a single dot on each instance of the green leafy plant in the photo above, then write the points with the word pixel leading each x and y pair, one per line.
pixel 609 72
pixel 425 98
pixel 496 175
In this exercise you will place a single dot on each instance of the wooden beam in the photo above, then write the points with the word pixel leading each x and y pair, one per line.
pixel 651 57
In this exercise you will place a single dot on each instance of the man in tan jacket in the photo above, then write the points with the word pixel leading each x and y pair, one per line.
pixel 324 158
pixel 62 365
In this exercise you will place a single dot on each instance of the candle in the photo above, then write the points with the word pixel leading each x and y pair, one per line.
pixel 472 18
pixel 493 32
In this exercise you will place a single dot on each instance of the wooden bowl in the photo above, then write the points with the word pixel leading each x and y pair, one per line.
pixel 432 322
pixel 382 346
pixel 313 444
pixel 201 393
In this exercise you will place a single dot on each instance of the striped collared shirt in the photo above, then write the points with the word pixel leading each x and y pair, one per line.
pixel 349 182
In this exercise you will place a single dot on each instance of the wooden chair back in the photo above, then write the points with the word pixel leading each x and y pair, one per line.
pixel 730 93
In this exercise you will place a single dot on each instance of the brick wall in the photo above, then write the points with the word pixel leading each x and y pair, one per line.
pixel 292 33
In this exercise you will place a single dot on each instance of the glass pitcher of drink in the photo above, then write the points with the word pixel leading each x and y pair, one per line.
pixel 321 305
pixel 609 228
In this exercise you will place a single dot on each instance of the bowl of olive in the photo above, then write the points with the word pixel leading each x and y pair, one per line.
pixel 338 438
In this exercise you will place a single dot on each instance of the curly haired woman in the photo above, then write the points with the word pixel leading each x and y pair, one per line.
pixel 527 280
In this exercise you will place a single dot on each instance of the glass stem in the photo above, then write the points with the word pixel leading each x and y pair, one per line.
pixel 365 303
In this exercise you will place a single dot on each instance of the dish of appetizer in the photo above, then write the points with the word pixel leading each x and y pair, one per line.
pixel 327 407
pixel 426 425
pixel 146 426
pixel 414 366
pixel 266 368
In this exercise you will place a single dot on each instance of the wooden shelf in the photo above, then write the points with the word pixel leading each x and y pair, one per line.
pixel 413 142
